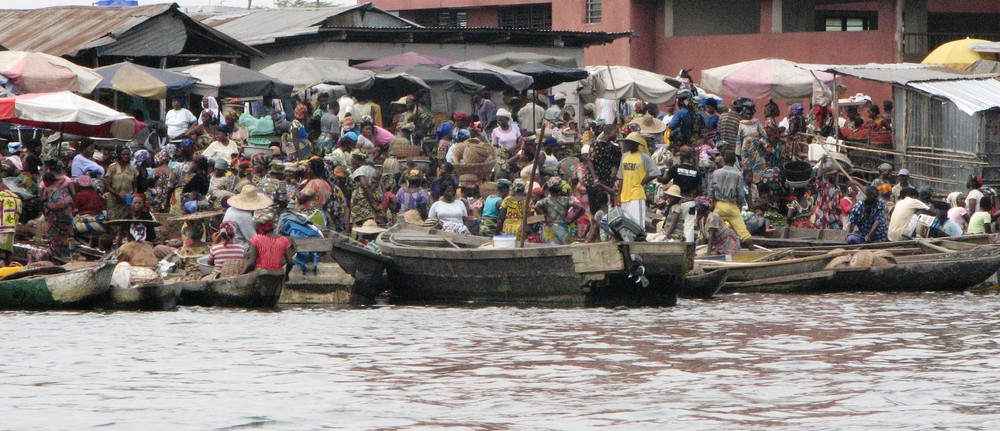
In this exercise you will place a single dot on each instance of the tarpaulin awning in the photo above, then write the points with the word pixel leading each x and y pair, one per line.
pixel 36 72
pixel 142 81
pixel 440 79
pixel 305 72
pixel 623 82
pixel 510 59
pixel 969 95
pixel 221 79
pixel 547 75
pixel 404 60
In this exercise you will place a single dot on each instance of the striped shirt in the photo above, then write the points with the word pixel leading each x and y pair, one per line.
pixel 223 252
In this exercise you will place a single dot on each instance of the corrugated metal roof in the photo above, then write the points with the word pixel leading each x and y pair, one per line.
pixel 898 73
pixel 69 30
pixel 259 26
pixel 970 95
pixel 992 47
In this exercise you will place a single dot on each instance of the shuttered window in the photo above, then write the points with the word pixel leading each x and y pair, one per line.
pixel 532 17
pixel 593 11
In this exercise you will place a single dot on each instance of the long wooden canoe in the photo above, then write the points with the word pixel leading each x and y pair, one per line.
pixel 80 289
pixel 703 286
pixel 429 266
pixel 918 273
pixel 154 296
pixel 366 266
pixel 258 289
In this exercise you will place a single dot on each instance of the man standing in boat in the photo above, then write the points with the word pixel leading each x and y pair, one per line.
pixel 726 191
pixel 636 170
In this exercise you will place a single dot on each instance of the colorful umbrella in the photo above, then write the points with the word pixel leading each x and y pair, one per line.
pixel 221 79
pixel 36 72
pixel 768 78
pixel 493 77
pixel 68 112
pixel 404 60
pixel 142 81
pixel 547 75
pixel 957 54
pixel 306 72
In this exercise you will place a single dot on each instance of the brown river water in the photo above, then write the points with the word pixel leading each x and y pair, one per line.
pixel 742 362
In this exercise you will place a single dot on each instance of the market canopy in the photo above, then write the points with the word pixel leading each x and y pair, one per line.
pixel 509 59
pixel 70 113
pixel 306 72
pixel 440 79
pixel 958 54
pixel 623 82
pixel 392 85
pixel 768 78
pixel 142 81
pixel 547 75
pixel 404 60
pixel 36 72
pixel 223 79
pixel 493 77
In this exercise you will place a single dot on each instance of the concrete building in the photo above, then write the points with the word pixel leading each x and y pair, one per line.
pixel 701 34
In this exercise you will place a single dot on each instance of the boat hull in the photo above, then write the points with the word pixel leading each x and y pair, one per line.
pixel 81 289
pixel 949 272
pixel 157 296
pixel 258 289
pixel 367 267
pixel 703 286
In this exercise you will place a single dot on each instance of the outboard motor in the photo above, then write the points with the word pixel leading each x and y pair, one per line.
pixel 627 230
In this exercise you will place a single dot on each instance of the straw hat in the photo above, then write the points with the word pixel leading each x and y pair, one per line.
pixel 649 125
pixel 674 191
pixel 635 137
pixel 250 199
pixel 413 217
pixel 369 227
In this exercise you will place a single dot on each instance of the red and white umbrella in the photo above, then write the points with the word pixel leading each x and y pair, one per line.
pixel 70 113
pixel 37 72
pixel 768 78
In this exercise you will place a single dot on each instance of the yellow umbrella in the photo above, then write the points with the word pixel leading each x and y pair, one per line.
pixel 957 54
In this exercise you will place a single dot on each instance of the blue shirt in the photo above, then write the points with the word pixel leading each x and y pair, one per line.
pixel 491 207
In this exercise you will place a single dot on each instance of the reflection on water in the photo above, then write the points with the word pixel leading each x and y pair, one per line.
pixel 743 362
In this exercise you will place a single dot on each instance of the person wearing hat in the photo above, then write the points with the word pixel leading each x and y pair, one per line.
pixel 674 213
pixel 366 234
pixel 275 179
pixel 223 182
pixel 241 208
pixel 882 183
pixel 635 171
pixel 268 250
pixel 652 130
pixel 903 182
pixel 15 150
pixel 554 112
pixel 682 124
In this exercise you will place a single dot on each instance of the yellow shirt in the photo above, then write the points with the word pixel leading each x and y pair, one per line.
pixel 635 167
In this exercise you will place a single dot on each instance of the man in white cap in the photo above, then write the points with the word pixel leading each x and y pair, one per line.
pixel 554 113
pixel 635 171
pixel 240 212
pixel 903 182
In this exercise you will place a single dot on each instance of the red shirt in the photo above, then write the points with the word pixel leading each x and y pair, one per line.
pixel 271 251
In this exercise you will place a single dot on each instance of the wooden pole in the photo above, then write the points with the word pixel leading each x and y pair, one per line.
pixel 835 107
pixel 535 169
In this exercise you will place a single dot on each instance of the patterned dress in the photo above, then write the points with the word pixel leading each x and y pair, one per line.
pixel 826 211
pixel 864 221
pixel 755 148
pixel 58 213
pixel 166 181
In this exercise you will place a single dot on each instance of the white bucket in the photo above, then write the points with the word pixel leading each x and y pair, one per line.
pixel 504 241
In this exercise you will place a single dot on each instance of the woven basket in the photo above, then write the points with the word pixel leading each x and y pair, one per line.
pixel 404 151
pixel 233 267
pixel 482 170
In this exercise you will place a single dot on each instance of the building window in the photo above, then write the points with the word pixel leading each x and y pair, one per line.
pixel 442 18
pixel 532 17
pixel 593 11
pixel 849 21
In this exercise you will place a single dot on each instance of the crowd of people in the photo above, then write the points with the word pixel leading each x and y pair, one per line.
pixel 695 171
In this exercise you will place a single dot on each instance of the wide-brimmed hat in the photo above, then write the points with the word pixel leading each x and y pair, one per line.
pixel 674 191
pixel 250 199
pixel 649 125
pixel 413 217
pixel 635 137
pixel 369 227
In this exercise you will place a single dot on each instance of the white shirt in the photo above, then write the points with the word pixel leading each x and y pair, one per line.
pixel 975 195
pixel 454 211
pixel 606 110
pixel 347 105
pixel 218 150
pixel 902 212
pixel 178 121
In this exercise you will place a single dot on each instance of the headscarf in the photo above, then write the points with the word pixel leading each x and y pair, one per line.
pixel 796 109
pixel 702 201
pixel 264 221
pixel 953 199
pixel 161 158
pixel 444 130
pixel 519 186
pixel 227 230
pixel 170 149
pixel 140 157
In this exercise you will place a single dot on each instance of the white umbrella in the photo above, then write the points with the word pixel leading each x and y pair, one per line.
pixel 769 78
pixel 623 82
pixel 67 112
pixel 306 72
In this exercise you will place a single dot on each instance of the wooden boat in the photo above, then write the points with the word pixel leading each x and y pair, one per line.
pixel 918 273
pixel 429 266
pixel 366 266
pixel 77 289
pixel 799 237
pixel 703 286
pixel 258 289
pixel 154 296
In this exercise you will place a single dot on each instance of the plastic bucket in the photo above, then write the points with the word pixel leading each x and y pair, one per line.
pixel 504 241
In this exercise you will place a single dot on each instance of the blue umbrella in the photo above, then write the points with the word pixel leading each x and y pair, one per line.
pixel 142 81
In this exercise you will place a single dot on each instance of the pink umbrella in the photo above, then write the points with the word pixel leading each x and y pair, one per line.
pixel 67 112
pixel 404 60
pixel 768 78
pixel 37 72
